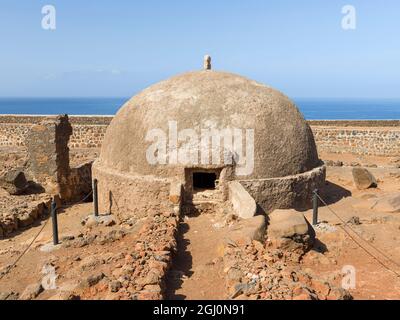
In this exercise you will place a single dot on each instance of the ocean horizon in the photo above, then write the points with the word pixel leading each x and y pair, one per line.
pixel 312 108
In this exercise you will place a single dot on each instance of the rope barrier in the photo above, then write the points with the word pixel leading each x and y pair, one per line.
pixel 25 251
pixel 9 268
pixel 359 244
pixel 79 202
pixel 345 224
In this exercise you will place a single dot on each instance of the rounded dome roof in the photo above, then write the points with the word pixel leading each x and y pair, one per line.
pixel 283 142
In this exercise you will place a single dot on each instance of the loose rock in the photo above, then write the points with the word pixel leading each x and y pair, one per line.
pixel 289 230
pixel 31 291
pixel 14 182
pixel 245 231
pixel 364 179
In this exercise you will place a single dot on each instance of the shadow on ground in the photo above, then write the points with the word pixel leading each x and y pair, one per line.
pixel 182 266
pixel 332 193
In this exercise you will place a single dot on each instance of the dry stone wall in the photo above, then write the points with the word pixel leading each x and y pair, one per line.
pixel 88 131
pixel 287 192
pixel 377 141
pixel 130 197
pixel 379 138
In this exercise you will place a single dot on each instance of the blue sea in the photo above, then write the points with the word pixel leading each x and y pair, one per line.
pixel 312 108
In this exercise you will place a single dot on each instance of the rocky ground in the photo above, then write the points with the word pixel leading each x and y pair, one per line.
pixel 20 211
pixel 96 259
pixel 166 256
pixel 378 226
pixel 13 158
pixel 77 157
pixel 258 272
pixel 197 271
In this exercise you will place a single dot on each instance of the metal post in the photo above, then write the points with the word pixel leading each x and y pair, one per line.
pixel 315 207
pixel 54 220
pixel 95 199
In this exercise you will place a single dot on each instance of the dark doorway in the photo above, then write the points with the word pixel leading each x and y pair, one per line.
pixel 204 180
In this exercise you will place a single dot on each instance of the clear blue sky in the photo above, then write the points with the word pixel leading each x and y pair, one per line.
pixel 116 48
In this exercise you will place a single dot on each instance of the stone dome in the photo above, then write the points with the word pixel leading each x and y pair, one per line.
pixel 283 142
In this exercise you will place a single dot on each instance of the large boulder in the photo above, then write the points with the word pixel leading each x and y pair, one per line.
pixel 14 182
pixel 363 179
pixel 246 231
pixel 289 230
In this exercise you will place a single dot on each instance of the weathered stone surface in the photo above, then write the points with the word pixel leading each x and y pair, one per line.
pixel 115 286
pixel 92 280
pixel 141 195
pixel 286 192
pixel 245 231
pixel 92 221
pixel 4 295
pixel 142 273
pixel 370 137
pixel 354 220
pixel 49 163
pixel 8 296
pixel 339 294
pixel 242 202
pixel 90 263
pixel 286 223
pixel 261 272
pixel 175 193
pixel 153 277
pixel 331 163
pixel 268 111
pixel 31 291
pixel 14 182
pixel 25 220
pixel 79 182
pixel 48 151
pixel 123 167
pixel 389 203
pixel 50 247
pixel 21 211
pixel 363 179
pixel 288 229
pixel 64 295
pixel 207 62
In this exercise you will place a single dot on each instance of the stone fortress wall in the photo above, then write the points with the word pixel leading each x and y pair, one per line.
pixel 375 137
pixel 88 131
